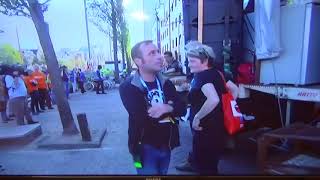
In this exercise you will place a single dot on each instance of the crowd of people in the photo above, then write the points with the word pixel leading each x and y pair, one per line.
pixel 75 78
pixel 17 84
pixel 153 105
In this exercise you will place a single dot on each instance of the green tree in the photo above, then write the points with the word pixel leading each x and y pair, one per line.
pixel 9 55
pixel 108 16
pixel 34 9
pixel 123 36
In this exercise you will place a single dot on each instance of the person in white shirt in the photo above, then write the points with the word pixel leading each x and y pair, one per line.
pixel 18 98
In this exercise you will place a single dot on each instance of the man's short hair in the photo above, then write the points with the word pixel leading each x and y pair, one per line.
pixel 168 53
pixel 136 51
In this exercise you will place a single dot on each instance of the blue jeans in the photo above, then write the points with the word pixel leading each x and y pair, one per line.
pixel 154 161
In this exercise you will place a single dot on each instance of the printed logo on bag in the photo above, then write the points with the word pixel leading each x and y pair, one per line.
pixel 235 109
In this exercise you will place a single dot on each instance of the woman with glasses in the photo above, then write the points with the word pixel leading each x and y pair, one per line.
pixel 204 96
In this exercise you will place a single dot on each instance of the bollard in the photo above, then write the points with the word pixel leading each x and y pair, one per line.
pixel 84 128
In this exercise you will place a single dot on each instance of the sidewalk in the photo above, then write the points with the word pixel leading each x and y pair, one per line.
pixel 112 158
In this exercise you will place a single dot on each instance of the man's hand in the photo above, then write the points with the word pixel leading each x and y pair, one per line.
pixel 159 109
pixel 196 123
pixel 185 86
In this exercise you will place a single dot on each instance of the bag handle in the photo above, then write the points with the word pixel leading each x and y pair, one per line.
pixel 224 80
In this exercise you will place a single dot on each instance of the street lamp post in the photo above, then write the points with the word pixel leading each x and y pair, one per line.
pixel 86 17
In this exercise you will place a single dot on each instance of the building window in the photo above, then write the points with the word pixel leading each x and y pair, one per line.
pixel 175 2
pixel 179 18
pixel 176 42
pixel 176 23
pixel 179 39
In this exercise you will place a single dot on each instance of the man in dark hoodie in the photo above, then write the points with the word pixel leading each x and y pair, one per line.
pixel 152 103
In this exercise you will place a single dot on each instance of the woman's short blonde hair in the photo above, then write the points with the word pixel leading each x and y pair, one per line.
pixel 201 51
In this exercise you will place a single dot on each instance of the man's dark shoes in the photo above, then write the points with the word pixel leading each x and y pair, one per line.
pixel 32 122
pixel 35 113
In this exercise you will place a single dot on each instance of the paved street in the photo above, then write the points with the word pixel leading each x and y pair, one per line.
pixel 103 111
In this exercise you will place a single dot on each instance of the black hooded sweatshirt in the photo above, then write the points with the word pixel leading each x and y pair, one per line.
pixel 143 128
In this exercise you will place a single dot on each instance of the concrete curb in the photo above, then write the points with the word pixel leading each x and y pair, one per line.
pixel 20 134
pixel 60 142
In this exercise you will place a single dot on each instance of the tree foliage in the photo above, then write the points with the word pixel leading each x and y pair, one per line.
pixel 9 55
pixel 100 14
pixel 19 7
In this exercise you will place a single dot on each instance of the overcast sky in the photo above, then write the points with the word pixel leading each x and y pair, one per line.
pixel 67 26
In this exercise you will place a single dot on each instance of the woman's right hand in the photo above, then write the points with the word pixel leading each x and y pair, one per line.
pixel 196 124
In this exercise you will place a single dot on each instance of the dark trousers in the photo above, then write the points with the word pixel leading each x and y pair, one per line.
pixel 3 109
pixel 99 84
pixel 207 150
pixel 80 84
pixel 44 99
pixel 34 101
pixel 191 156
pixel 20 109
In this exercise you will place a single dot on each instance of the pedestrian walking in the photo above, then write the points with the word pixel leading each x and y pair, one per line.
pixel 65 79
pixel 3 96
pixel 42 88
pixel 73 79
pixel 32 87
pixel 18 98
pixel 80 80
pixel 99 81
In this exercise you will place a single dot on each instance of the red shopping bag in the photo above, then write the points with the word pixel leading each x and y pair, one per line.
pixel 231 111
